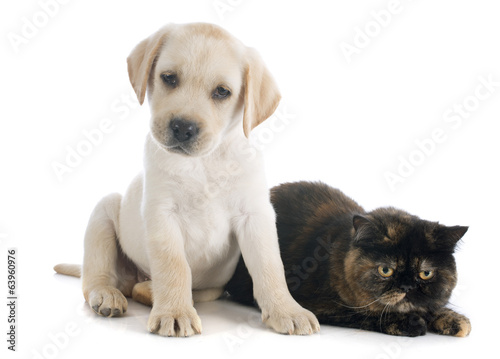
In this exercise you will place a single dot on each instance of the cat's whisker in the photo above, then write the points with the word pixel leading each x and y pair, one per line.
pixel 382 314
pixel 361 307
pixel 454 306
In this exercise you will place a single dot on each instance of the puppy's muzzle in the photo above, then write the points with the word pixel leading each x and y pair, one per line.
pixel 184 131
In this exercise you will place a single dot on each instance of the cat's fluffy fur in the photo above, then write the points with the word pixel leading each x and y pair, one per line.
pixel 385 270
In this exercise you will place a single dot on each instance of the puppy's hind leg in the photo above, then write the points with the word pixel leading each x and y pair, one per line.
pixel 101 264
pixel 207 295
pixel 143 293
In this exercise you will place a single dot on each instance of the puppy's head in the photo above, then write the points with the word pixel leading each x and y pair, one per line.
pixel 201 83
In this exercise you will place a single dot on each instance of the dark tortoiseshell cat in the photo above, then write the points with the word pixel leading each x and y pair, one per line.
pixel 385 270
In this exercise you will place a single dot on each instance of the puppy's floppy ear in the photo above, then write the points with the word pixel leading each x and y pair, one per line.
pixel 261 92
pixel 141 59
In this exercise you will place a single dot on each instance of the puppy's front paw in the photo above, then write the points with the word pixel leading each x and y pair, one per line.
pixel 107 301
pixel 178 322
pixel 291 319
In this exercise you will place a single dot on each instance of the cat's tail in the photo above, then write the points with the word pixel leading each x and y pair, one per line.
pixel 74 270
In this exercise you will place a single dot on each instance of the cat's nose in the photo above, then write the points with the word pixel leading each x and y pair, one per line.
pixel 406 287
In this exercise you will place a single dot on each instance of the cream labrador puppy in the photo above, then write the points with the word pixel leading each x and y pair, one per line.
pixel 202 197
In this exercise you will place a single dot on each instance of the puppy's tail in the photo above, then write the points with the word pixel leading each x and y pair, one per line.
pixel 74 270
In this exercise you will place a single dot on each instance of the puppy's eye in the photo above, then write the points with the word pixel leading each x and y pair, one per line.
pixel 221 92
pixel 385 272
pixel 426 274
pixel 170 79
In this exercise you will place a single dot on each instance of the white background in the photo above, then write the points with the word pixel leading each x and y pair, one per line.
pixel 351 119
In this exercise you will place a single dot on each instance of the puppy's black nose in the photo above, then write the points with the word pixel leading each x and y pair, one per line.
pixel 183 130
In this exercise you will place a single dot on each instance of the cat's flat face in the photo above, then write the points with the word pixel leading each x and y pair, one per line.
pixel 401 263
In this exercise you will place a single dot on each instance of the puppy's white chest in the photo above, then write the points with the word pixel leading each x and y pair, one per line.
pixel 204 223
pixel 199 197
pixel 210 248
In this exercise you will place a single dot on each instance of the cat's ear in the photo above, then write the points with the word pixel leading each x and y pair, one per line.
pixel 358 221
pixel 447 237
pixel 365 229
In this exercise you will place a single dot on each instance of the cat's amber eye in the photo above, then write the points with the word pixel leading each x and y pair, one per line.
pixel 385 272
pixel 426 274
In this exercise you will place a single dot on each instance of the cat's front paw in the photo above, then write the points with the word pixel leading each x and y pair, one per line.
pixel 448 322
pixel 411 325
pixel 291 319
